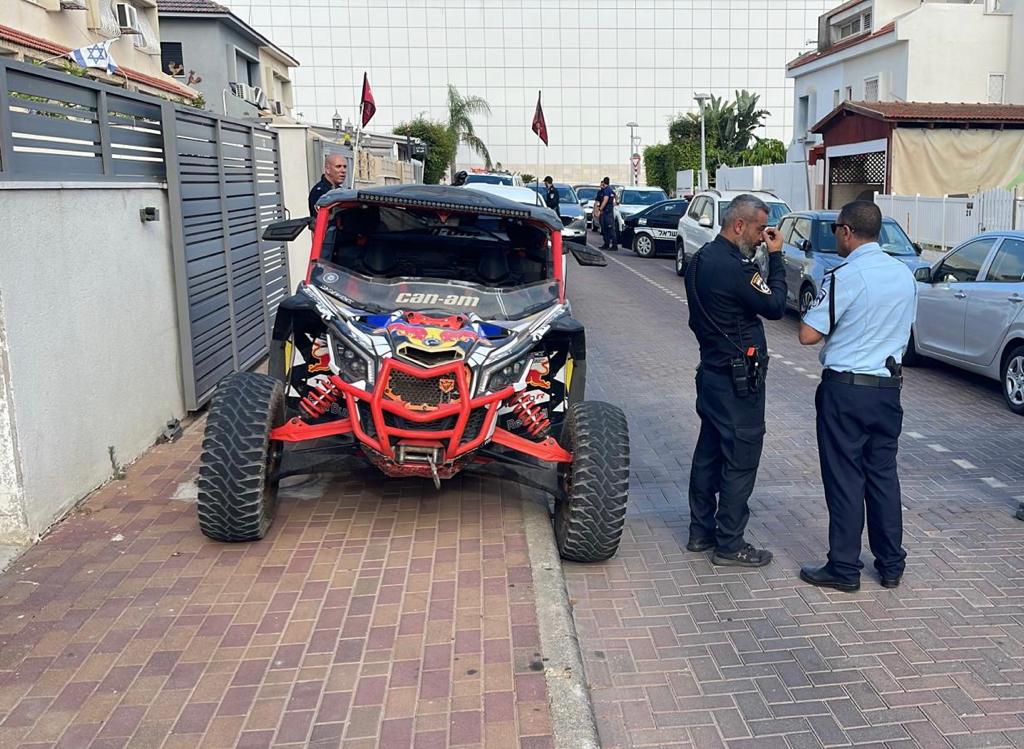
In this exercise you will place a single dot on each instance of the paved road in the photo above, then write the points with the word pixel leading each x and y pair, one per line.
pixel 680 653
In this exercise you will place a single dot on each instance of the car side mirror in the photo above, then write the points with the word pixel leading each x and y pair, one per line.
pixel 705 222
pixel 586 256
pixel 806 246
pixel 917 248
pixel 924 275
pixel 286 231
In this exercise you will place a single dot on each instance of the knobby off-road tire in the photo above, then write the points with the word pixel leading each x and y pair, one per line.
pixel 236 499
pixel 590 517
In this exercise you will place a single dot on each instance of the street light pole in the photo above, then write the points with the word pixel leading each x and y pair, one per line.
pixel 632 150
pixel 701 98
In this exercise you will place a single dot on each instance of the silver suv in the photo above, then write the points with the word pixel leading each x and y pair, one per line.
pixel 969 311
pixel 703 219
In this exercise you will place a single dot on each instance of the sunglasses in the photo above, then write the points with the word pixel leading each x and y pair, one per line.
pixel 836 226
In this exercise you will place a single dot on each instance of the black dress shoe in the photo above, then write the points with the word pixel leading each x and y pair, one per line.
pixel 891 582
pixel 821 577
pixel 696 543
pixel 604 247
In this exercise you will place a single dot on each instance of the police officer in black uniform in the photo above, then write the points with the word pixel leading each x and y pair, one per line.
pixel 727 295
pixel 550 194
pixel 335 168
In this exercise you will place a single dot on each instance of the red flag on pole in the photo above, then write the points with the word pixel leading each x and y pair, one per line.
pixel 539 126
pixel 367 104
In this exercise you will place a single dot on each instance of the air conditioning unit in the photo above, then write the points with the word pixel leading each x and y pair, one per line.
pixel 259 98
pixel 278 108
pixel 127 18
pixel 242 91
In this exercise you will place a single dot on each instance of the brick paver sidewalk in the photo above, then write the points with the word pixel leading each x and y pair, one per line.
pixel 377 613
pixel 680 653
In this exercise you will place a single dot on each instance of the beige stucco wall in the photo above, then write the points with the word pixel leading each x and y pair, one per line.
pixel 952 50
pixel 92 350
pixel 270 65
pixel 295 184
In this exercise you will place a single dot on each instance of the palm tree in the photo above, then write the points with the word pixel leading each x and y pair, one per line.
pixel 748 118
pixel 460 122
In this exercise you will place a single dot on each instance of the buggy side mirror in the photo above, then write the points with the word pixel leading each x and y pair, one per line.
pixel 285 231
pixel 924 275
pixel 586 256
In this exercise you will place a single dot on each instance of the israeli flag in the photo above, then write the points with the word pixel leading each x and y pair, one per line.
pixel 95 56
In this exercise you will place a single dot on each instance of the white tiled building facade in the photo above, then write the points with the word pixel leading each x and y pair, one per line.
pixel 600 65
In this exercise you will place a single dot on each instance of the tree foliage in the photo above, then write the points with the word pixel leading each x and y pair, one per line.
pixel 729 140
pixel 441 147
pixel 461 110
pixel 764 151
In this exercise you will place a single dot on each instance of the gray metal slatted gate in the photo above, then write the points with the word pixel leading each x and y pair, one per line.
pixel 224 181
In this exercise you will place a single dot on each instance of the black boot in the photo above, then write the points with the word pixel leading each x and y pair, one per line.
pixel 823 578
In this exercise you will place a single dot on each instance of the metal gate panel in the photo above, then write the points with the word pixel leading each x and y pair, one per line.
pixel 224 183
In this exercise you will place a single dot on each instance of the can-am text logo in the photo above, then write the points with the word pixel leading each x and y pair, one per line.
pixel 451 300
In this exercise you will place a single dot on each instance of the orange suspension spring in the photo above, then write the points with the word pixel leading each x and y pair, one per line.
pixel 531 414
pixel 320 398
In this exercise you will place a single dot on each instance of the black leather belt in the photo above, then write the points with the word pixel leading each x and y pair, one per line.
pixel 851 378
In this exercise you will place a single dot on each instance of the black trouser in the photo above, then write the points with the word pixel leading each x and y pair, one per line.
pixel 608 226
pixel 858 436
pixel 725 460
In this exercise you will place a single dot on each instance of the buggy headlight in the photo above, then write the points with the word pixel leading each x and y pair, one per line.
pixel 352 365
pixel 501 377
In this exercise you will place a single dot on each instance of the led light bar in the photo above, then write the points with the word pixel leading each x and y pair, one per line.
pixel 442 205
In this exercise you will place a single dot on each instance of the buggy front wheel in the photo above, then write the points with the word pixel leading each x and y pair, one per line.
pixel 591 512
pixel 237 488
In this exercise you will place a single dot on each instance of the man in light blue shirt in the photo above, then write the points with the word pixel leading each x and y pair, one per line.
pixel 864 312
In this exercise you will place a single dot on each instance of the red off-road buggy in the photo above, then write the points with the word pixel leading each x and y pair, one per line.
pixel 432 334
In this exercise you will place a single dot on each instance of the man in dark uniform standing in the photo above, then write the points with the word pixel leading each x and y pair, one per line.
pixel 727 295
pixel 605 212
pixel 550 194
pixel 864 312
pixel 333 176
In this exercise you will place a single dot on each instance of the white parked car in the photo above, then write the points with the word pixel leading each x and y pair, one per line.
pixel 703 219
pixel 517 193
pixel 494 178
pixel 630 200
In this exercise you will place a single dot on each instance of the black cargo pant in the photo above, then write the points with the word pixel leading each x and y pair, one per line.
pixel 858 435
pixel 608 226
pixel 725 460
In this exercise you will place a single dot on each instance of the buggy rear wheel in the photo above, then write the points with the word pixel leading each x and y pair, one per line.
pixel 591 513
pixel 237 496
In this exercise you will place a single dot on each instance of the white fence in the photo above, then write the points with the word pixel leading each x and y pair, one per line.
pixel 684 182
pixel 946 222
pixel 788 181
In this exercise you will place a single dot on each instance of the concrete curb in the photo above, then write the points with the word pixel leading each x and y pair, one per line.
pixel 572 713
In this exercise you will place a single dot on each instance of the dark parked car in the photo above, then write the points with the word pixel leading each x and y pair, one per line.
pixel 809 250
pixel 653 230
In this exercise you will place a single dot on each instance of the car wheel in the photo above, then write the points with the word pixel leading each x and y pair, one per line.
pixel 237 486
pixel 910 356
pixel 591 511
pixel 680 258
pixel 643 245
pixel 806 298
pixel 1013 380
